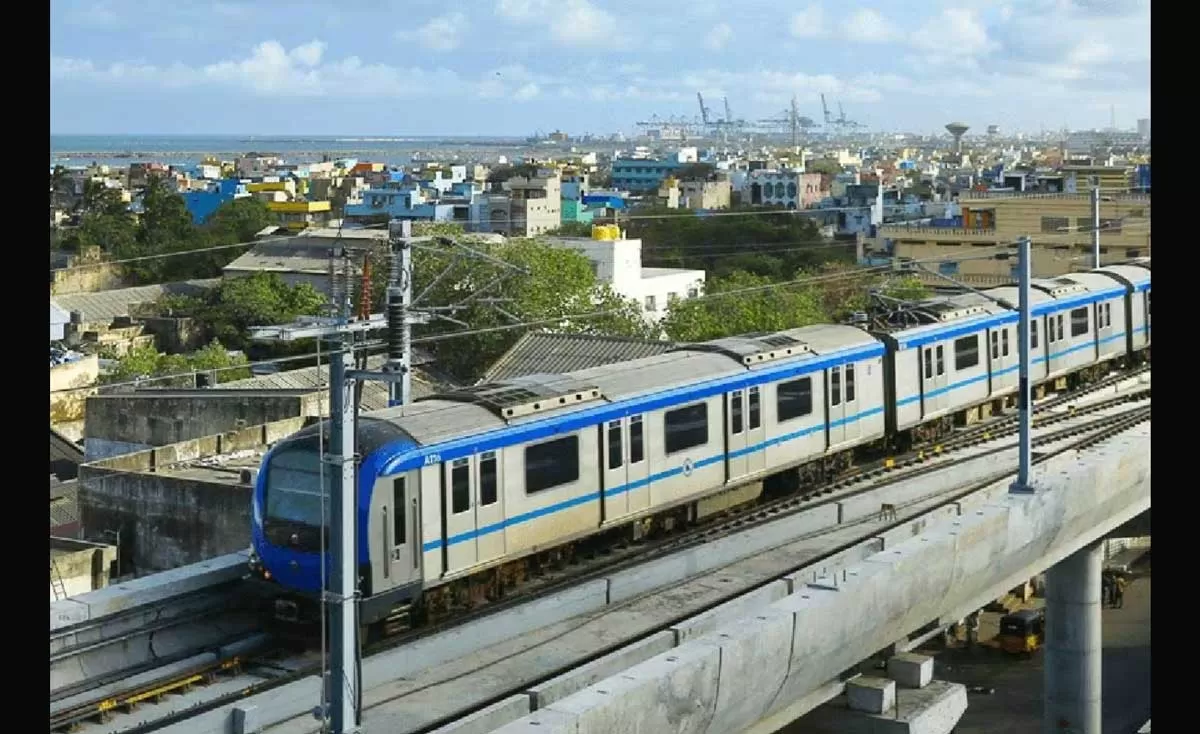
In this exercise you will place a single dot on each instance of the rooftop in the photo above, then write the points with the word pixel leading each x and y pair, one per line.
pixel 662 272
pixel 374 394
pixel 544 352
pixel 108 305
pixel 221 469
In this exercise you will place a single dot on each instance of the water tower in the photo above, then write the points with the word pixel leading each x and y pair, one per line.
pixel 957 129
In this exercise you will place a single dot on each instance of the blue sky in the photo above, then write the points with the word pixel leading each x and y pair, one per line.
pixel 423 67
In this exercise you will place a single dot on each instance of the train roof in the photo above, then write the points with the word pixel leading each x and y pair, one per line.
pixel 951 317
pixel 1132 274
pixel 492 406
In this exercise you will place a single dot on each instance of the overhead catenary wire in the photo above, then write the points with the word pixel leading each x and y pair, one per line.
pixel 854 274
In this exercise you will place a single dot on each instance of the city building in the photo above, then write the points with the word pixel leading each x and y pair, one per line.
pixel 644 175
pixel 202 204
pixel 1143 128
pixel 299 215
pixel 1059 224
pixel 618 262
pixel 789 189
pixel 529 207
pixel 305 257
pixel 705 195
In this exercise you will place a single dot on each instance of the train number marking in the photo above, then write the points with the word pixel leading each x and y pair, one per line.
pixel 431 459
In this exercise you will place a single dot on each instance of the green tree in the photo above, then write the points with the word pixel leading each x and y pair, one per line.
pixel 753 304
pixel 780 243
pixel 238 220
pixel 557 284
pixel 236 304
pixel 146 362
pixel 572 229
pixel 826 166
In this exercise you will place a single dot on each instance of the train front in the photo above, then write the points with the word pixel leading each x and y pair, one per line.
pixel 288 533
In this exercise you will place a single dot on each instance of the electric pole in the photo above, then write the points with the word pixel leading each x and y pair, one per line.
pixel 342 698
pixel 1024 391
pixel 1096 225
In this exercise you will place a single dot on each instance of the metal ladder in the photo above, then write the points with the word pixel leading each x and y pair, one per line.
pixel 57 585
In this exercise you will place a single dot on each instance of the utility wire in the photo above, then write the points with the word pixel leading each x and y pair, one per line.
pixel 818 278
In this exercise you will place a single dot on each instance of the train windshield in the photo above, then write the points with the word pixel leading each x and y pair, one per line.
pixel 293 490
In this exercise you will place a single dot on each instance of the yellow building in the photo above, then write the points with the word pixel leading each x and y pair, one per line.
pixel 1060 226
pixel 298 215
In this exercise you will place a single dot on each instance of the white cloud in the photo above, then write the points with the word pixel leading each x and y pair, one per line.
pixel 567 22
pixel 273 71
pixel 720 35
pixel 526 92
pixel 809 23
pixel 867 26
pixel 953 29
pixel 443 33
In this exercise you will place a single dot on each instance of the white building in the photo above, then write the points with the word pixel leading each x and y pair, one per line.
pixel 618 262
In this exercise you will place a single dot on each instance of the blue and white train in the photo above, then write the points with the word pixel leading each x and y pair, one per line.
pixel 458 491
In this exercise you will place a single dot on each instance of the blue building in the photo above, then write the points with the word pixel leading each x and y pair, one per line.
pixel 642 174
pixel 415 202
pixel 1141 178
pixel 202 204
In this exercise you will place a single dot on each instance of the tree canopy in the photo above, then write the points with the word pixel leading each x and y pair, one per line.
pixel 529 281
pixel 773 244
pixel 165 227
pixel 147 362
pixel 262 299
pixel 745 303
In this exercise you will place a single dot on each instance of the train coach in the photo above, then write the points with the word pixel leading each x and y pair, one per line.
pixel 459 493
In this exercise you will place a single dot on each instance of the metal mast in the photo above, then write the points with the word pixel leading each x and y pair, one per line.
pixel 1024 391
pixel 343 697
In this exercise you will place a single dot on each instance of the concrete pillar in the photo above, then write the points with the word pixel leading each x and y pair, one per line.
pixel 1073 644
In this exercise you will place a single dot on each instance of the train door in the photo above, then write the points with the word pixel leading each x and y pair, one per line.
pixel 399 531
pixel 735 435
pixel 458 516
pixel 489 507
pixel 614 460
pixel 638 471
pixel 835 408
pixel 941 378
pixel 756 434
pixel 933 378
pixel 853 427
pixel 1147 315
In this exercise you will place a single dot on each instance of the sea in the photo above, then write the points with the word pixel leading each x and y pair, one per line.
pixel 77 151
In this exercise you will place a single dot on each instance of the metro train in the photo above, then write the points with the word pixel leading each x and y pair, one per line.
pixel 459 493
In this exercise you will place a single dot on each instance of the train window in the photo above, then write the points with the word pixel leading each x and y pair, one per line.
pixel 941 360
pixel 755 409
pixel 928 364
pixel 1033 334
pixel 636 450
pixel 849 383
pixel 1059 321
pixel 794 399
pixel 1108 314
pixel 685 428
pixel 966 352
pixel 614 445
pixel 735 412
pixel 399 527
pixel 835 386
pixel 551 464
pixel 1079 321
pixel 1004 343
pixel 487 479
pixel 995 345
pixel 460 486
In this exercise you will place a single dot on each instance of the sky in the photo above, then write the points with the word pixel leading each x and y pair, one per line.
pixel 516 67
